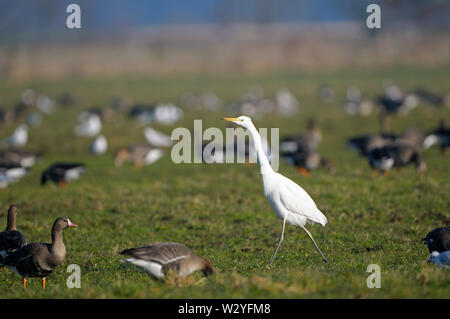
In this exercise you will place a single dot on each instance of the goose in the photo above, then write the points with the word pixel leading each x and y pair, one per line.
pixel 290 202
pixel 45 104
pixel 395 155
pixel 159 259
pixel 40 259
pixel 286 103
pixel 356 104
pixel 10 173
pixel 139 155
pixel 19 137
pixel 156 138
pixel 442 133
pixel 17 156
pixel 305 142
pixel 438 239
pixel 305 162
pixel 365 143
pixel 89 125
pixel 62 173
pixel 440 259
pixel 99 145
pixel 429 97
pixel 11 239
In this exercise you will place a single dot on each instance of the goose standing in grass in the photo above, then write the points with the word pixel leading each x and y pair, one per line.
pixel 40 259
pixel 18 138
pixel 440 259
pixel 288 200
pixel 138 155
pixel 62 173
pixel 395 155
pixel 19 157
pixel 365 143
pixel 161 258
pixel 11 239
pixel 156 138
pixel 99 145
pixel 89 125
pixel 10 173
pixel 305 142
pixel 305 162
pixel 438 239
pixel 442 133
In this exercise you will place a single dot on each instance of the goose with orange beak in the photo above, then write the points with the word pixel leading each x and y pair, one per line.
pixel 290 202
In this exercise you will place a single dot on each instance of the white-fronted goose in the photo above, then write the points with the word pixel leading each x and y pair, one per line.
pixel 395 155
pixel 158 259
pixel 11 239
pixel 40 259
pixel 62 173
pixel 138 155
pixel 438 239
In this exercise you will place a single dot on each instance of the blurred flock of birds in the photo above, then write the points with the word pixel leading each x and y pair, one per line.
pixel 383 151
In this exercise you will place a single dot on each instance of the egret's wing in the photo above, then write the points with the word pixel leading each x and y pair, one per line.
pixel 297 201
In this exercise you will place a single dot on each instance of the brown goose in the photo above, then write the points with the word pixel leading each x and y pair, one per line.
pixel 306 162
pixel 139 155
pixel 11 239
pixel 40 259
pixel 305 142
pixel 158 259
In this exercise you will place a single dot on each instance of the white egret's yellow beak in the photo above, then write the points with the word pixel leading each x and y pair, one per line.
pixel 231 119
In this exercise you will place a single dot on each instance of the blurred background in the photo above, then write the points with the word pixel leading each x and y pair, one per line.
pixel 165 37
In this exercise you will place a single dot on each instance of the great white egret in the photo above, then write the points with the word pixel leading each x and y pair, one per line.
pixel 290 202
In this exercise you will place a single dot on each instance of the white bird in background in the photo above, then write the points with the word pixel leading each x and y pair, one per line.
pixel 90 125
pixel 19 138
pixel 99 145
pixel 440 259
pixel 167 114
pixel 289 201
pixel 157 138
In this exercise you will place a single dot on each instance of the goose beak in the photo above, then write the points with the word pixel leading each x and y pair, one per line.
pixel 72 224
pixel 231 119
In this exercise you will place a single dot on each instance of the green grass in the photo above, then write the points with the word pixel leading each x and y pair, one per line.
pixel 220 210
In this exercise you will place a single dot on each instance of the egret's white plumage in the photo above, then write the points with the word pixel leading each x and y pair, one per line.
pixel 290 202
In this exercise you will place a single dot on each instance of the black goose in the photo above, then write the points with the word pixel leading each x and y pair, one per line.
pixel 11 239
pixel 158 259
pixel 40 259
pixel 62 173
pixel 395 155
pixel 438 239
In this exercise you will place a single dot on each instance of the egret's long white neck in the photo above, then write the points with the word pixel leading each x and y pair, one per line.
pixel 264 164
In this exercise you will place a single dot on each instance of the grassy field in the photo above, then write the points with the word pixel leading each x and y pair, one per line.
pixel 220 210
